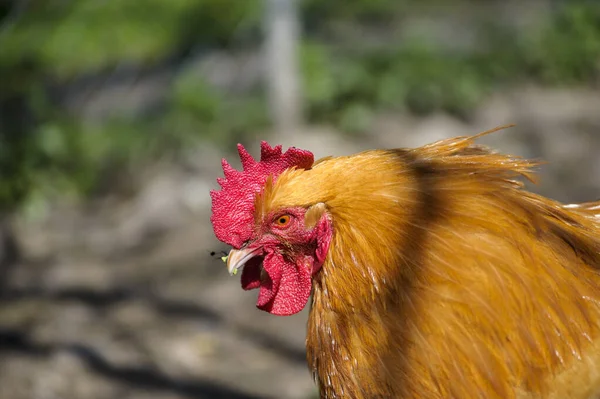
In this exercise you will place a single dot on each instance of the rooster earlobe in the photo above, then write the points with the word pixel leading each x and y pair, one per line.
pixel 324 234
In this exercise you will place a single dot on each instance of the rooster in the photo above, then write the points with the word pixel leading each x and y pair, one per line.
pixel 433 272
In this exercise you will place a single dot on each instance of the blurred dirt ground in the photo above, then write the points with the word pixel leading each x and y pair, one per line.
pixel 122 299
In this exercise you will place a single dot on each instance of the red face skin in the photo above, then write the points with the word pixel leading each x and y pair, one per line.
pixel 290 254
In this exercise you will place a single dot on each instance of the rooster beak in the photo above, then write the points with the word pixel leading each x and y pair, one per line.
pixel 238 257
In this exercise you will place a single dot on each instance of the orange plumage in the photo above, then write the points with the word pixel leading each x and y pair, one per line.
pixel 443 277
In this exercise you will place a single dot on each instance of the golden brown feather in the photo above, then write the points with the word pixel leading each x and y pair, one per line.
pixel 445 279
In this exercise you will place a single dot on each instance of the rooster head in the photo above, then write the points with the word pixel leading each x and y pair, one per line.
pixel 280 249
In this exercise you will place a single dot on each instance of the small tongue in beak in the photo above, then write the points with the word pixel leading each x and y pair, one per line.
pixel 253 274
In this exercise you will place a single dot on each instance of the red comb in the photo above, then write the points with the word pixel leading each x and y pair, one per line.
pixel 233 206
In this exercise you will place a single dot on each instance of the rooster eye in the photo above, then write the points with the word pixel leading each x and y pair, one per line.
pixel 282 221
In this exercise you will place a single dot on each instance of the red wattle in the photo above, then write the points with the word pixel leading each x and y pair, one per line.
pixel 287 289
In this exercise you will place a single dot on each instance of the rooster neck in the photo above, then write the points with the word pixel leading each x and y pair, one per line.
pixel 344 347
pixel 363 300
pixel 458 286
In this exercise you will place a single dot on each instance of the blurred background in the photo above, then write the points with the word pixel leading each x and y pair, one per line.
pixel 114 116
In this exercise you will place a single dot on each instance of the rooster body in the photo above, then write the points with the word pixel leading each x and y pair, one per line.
pixel 433 274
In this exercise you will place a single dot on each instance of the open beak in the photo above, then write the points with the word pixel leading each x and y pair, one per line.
pixel 238 258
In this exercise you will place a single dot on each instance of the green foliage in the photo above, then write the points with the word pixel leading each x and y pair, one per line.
pixel 83 36
pixel 16 170
pixel 78 163
pixel 346 83
pixel 347 91
pixel 197 107
pixel 346 88
pixel 76 160
pixel 321 12
pixel 568 49
pixel 56 41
